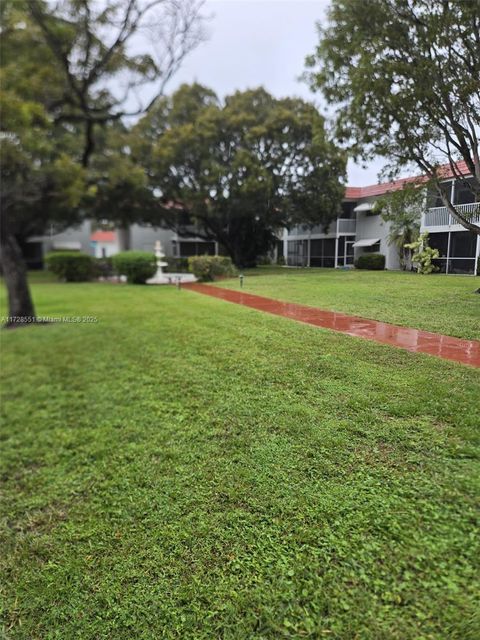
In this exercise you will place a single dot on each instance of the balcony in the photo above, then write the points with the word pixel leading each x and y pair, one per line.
pixel 441 217
pixel 346 225
pixel 335 228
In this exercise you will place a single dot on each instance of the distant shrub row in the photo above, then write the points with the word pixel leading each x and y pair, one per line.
pixel 74 266
pixel 71 266
pixel 372 261
pixel 137 266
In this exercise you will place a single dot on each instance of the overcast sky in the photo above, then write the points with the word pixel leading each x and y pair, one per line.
pixel 262 42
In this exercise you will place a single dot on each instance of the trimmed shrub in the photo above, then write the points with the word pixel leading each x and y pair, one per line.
pixel 207 268
pixel 372 261
pixel 71 266
pixel 137 266
pixel 177 265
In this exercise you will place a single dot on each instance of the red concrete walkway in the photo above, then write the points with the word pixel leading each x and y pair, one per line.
pixel 435 344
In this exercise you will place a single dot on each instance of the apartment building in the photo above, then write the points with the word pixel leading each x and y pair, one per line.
pixel 356 231
pixel 360 230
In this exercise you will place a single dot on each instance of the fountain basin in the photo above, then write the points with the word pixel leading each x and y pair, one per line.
pixel 172 278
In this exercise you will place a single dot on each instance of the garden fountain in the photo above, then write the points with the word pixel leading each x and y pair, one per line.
pixel 167 278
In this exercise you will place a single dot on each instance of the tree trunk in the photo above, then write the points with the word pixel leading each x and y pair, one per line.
pixel 20 304
pixel 124 238
pixel 241 251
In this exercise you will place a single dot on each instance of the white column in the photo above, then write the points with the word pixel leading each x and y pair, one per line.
pixel 477 255
pixel 452 200
pixel 336 245
pixel 124 238
pixel 176 245
pixel 448 252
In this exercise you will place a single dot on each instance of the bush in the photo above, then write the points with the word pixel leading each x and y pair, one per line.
pixel 207 268
pixel 71 266
pixel 372 261
pixel 137 266
pixel 177 265
pixel 423 255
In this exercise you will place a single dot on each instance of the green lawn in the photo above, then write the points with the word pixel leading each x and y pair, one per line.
pixel 191 469
pixel 439 303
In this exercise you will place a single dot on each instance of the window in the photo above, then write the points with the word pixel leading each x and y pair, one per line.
pixel 374 248
pixel 462 244
pixel 297 253
pixel 466 192
pixel 461 266
pixel 433 197
pixel 322 252
pixel 461 254
pixel 345 251
pixel 348 210
pixel 196 249
pixel 439 241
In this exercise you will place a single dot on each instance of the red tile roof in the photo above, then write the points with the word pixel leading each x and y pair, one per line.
pixel 357 193
pixel 103 236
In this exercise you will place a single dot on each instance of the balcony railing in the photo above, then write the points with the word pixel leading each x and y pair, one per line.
pixel 441 216
pixel 341 225
pixel 346 225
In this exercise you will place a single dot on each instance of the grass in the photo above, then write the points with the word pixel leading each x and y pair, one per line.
pixel 190 469
pixel 438 303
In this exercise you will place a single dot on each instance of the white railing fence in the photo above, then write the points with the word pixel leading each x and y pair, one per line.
pixel 341 225
pixel 346 225
pixel 441 216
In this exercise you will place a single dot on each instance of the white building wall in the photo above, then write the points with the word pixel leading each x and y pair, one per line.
pixel 72 238
pixel 144 238
pixel 106 249
pixel 140 238
pixel 372 226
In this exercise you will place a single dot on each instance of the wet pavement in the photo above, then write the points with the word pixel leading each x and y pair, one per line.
pixel 435 344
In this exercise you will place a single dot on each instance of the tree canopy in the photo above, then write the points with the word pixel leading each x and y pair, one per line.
pixel 405 77
pixel 101 65
pixel 41 182
pixel 68 70
pixel 240 169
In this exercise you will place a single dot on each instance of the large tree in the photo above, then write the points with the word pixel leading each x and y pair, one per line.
pixel 241 169
pixel 405 78
pixel 41 184
pixel 71 71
